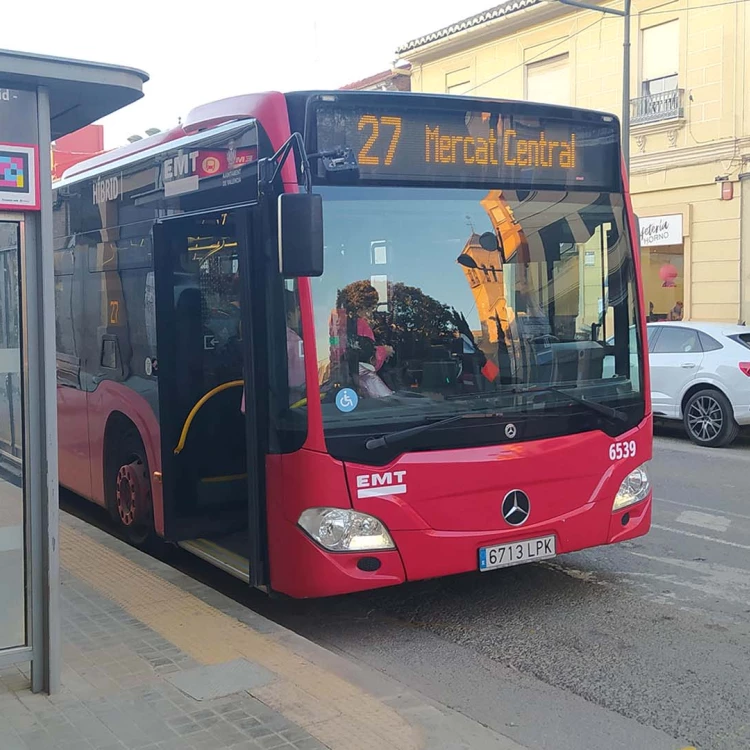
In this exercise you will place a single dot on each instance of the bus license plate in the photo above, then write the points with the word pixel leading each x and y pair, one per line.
pixel 517 553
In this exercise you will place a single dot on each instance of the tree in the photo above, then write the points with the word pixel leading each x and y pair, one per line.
pixel 357 298
pixel 413 322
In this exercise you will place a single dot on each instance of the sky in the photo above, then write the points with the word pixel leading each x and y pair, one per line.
pixel 199 52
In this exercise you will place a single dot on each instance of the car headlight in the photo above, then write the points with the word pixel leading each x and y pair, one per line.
pixel 634 488
pixel 340 530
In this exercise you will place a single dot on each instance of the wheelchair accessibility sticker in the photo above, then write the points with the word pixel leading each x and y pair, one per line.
pixel 347 400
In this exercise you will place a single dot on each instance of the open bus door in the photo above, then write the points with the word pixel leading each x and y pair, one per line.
pixel 211 472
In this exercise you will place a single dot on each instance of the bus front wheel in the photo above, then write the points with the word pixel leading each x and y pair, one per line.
pixel 129 488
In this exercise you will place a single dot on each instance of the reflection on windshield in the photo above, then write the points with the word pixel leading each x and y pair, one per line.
pixel 433 297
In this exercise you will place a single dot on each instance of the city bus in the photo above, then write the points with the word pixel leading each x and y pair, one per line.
pixel 331 341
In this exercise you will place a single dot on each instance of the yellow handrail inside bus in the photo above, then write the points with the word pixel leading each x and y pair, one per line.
pixel 197 407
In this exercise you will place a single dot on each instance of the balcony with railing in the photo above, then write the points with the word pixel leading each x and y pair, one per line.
pixel 665 105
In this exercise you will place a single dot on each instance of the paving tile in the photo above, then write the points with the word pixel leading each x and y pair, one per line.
pixel 180 721
pixel 204 744
pixel 294 734
pixel 210 722
pixel 258 732
pixel 79 744
pixel 205 713
pixel 14 742
pixel 202 736
pixel 278 723
pixel 175 744
pixel 187 729
pixel 228 735
pixel 310 744
pixel 63 733
pixel 273 741
pixel 251 722
pixel 38 740
pixel 22 722
pixel 237 715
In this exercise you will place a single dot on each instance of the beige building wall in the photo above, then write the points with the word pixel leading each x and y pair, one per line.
pixel 701 134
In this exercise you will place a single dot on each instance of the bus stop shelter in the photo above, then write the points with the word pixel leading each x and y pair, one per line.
pixel 41 98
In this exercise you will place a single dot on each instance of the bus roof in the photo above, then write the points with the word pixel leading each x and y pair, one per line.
pixel 200 119
pixel 111 160
pixel 471 101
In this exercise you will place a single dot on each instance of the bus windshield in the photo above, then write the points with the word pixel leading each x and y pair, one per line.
pixel 437 302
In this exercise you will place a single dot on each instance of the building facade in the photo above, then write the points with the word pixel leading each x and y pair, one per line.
pixel 690 123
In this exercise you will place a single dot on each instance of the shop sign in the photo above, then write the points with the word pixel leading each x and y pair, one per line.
pixel 660 230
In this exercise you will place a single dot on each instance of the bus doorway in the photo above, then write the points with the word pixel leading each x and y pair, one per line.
pixel 203 323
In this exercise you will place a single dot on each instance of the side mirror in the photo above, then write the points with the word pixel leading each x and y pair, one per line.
pixel 300 234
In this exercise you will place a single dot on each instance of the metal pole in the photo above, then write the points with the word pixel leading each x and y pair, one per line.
pixel 46 666
pixel 626 87
pixel 625 15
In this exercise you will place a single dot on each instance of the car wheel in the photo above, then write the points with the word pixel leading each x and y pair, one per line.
pixel 709 419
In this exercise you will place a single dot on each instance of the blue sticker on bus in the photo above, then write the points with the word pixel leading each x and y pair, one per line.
pixel 347 400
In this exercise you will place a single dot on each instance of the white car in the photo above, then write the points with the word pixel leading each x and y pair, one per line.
pixel 700 373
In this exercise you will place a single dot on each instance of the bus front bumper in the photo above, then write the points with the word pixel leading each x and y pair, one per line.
pixel 309 571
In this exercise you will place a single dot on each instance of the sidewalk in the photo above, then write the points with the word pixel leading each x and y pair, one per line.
pixel 154 660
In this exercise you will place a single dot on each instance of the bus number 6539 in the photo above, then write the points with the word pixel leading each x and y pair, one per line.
pixel 619 451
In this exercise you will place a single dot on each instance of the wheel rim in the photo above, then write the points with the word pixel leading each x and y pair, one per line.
pixel 705 418
pixel 132 493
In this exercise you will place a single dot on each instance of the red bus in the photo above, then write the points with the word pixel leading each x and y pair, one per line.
pixel 333 341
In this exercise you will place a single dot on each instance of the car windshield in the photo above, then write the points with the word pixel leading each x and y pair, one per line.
pixel 439 301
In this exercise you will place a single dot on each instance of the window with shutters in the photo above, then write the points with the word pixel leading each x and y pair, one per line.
pixel 660 58
pixel 548 81
pixel 660 96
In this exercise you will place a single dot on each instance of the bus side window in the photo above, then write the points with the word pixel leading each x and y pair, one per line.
pixel 294 343
pixel 286 369
pixel 109 353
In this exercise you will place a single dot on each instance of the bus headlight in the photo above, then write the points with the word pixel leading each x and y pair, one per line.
pixel 634 488
pixel 340 530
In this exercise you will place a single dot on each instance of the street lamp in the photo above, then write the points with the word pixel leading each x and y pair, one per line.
pixel 625 15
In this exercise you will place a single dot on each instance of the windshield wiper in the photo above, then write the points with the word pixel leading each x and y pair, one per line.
pixel 398 436
pixel 595 406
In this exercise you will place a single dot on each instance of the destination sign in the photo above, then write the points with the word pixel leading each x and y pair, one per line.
pixel 455 146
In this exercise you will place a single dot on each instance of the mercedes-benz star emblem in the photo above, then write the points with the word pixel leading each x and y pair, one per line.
pixel 510 431
pixel 516 507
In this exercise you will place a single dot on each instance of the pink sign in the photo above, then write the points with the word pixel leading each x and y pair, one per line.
pixel 19 183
